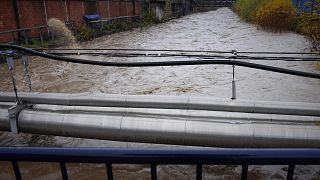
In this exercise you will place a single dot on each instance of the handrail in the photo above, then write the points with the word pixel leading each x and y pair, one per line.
pixel 235 156
pixel 23 29
pixel 163 63
pixel 159 156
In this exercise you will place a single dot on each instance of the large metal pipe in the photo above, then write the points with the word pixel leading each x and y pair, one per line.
pixel 4 120
pixel 199 115
pixel 179 129
pixel 167 102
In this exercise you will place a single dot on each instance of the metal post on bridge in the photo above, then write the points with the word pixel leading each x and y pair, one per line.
pixel 9 58
pixel 234 92
pixel 15 110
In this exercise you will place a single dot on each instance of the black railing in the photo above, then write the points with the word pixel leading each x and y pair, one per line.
pixel 155 157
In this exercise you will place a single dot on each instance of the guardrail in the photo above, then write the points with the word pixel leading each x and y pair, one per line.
pixel 25 33
pixel 165 156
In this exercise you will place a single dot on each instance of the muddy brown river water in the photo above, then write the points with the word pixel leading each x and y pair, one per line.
pixel 214 30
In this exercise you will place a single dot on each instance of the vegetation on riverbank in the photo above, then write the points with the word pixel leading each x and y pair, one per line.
pixel 88 33
pixel 60 35
pixel 281 15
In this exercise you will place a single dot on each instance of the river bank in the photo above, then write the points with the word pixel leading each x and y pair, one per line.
pixel 282 15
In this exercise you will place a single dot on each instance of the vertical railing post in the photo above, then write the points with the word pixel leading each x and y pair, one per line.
pixel 64 172
pixel 109 171
pixel 10 64
pixel 199 172
pixel 234 89
pixel 153 172
pixel 244 172
pixel 290 172
pixel 16 170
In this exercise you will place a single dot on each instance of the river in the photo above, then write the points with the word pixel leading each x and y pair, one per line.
pixel 215 30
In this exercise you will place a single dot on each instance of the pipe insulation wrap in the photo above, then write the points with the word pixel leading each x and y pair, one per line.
pixel 196 115
pixel 169 130
pixel 4 120
pixel 167 102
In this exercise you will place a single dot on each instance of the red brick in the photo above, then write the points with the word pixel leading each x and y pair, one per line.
pixel 7 19
pixel 32 12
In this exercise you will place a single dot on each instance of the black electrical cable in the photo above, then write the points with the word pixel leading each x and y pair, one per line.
pixel 203 56
pixel 164 63
pixel 174 50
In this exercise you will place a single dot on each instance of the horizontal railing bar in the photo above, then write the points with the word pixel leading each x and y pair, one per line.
pixel 23 29
pixel 164 63
pixel 216 156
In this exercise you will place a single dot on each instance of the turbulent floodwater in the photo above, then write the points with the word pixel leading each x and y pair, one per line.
pixel 215 30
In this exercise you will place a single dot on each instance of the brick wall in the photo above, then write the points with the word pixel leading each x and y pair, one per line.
pixel 56 9
pixel 32 13
pixel 114 8
pixel 7 19
pixel 103 8
pixel 76 12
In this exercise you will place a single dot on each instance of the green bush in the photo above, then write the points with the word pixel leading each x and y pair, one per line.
pixel 309 25
pixel 247 8
pixel 84 34
pixel 276 15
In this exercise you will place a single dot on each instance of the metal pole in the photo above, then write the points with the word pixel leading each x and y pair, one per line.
pixel 234 92
pixel 153 172
pixel 16 170
pixel 11 69
pixel 244 172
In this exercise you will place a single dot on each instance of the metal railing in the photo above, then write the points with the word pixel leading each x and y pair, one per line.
pixel 164 156
pixel 25 32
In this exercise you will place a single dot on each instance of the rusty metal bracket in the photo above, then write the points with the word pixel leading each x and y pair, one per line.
pixel 14 112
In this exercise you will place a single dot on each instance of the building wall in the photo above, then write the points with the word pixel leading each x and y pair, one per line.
pixel 114 8
pixel 34 13
pixel 31 13
pixel 7 19
pixel 56 9
pixel 76 12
